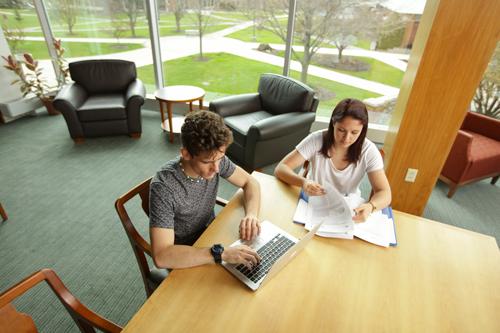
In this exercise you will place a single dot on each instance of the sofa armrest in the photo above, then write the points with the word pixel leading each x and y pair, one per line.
pixel 67 101
pixel 136 90
pixel 280 125
pixel 235 105
pixel 459 157
pixel 135 99
pixel 70 97
pixel 481 124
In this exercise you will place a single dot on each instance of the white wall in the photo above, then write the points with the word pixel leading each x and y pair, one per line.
pixel 8 92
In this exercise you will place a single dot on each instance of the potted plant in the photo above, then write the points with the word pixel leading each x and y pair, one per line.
pixel 63 76
pixel 31 79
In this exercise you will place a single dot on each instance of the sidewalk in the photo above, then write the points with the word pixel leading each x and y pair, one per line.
pixel 174 47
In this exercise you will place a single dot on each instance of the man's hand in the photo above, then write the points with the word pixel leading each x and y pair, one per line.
pixel 241 254
pixel 312 188
pixel 362 212
pixel 249 227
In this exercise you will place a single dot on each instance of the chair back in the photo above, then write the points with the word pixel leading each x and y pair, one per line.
pixel 141 248
pixel 13 321
pixel 281 94
pixel 103 76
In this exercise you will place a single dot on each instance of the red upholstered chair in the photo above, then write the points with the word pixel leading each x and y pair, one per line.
pixel 475 154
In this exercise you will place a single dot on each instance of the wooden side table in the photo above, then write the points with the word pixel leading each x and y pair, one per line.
pixel 177 94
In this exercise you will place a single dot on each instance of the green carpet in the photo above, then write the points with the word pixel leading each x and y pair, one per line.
pixel 60 200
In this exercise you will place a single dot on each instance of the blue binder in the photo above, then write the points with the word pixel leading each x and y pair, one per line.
pixel 388 212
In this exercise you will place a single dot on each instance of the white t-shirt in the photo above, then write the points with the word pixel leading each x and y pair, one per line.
pixel 322 170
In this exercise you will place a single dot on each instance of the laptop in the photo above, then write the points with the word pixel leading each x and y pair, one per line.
pixel 275 247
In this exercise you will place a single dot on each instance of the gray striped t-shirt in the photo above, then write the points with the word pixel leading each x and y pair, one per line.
pixel 176 202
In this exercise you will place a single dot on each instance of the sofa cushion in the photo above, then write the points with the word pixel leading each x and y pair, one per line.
pixel 103 75
pixel 485 156
pixel 103 107
pixel 280 94
pixel 241 124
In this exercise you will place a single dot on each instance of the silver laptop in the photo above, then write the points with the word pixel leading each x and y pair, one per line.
pixel 275 247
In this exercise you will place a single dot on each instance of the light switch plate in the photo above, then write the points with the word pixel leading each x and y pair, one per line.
pixel 411 175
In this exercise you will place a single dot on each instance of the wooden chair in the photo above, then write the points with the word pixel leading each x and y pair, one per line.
pixel 152 277
pixel 3 214
pixel 13 321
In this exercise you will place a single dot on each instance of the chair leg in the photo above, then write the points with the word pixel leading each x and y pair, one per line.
pixel 453 189
pixel 135 135
pixel 3 213
pixel 78 140
pixel 494 180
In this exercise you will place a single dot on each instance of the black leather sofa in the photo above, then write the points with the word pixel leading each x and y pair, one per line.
pixel 105 99
pixel 269 124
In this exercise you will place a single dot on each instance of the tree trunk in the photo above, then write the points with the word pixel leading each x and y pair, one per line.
pixel 132 26
pixel 177 23
pixel 201 46
pixel 305 68
pixel 200 34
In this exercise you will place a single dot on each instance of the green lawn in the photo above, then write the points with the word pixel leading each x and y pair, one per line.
pixel 86 26
pixel 363 43
pixel 265 36
pixel 262 36
pixel 225 74
pixel 379 71
pixel 73 49
pixel 29 18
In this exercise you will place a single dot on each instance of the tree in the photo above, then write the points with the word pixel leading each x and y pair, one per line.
pixel 486 99
pixel 131 9
pixel 67 13
pixel 313 19
pixel 15 36
pixel 201 15
pixel 16 5
pixel 347 28
pixel 252 10
pixel 178 7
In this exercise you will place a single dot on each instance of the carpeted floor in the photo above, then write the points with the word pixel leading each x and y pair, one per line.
pixel 60 200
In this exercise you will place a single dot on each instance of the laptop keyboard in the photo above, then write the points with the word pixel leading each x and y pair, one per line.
pixel 269 253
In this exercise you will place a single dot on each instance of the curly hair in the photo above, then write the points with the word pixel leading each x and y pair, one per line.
pixel 204 131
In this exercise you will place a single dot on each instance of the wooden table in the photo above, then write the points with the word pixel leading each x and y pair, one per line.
pixel 177 94
pixel 438 279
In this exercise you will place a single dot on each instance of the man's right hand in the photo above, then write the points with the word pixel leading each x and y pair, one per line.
pixel 241 254
pixel 312 188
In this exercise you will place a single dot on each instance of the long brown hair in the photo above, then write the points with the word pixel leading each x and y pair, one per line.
pixel 348 107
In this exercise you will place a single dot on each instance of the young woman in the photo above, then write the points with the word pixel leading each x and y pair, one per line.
pixel 340 156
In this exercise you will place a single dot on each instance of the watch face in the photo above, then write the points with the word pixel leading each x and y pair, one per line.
pixel 217 248
pixel 216 251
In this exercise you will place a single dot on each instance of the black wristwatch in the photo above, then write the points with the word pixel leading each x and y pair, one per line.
pixel 216 251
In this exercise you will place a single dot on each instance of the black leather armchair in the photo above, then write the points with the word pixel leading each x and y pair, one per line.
pixel 269 124
pixel 104 99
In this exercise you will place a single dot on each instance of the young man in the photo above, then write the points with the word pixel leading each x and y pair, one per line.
pixel 183 194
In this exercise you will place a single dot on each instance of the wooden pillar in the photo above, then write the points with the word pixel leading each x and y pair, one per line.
pixel 454 43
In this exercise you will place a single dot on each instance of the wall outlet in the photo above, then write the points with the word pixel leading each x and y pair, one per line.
pixel 411 175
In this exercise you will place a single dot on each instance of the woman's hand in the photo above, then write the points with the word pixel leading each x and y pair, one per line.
pixel 362 212
pixel 312 188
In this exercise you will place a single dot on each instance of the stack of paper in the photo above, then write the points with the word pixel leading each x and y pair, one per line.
pixel 336 212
